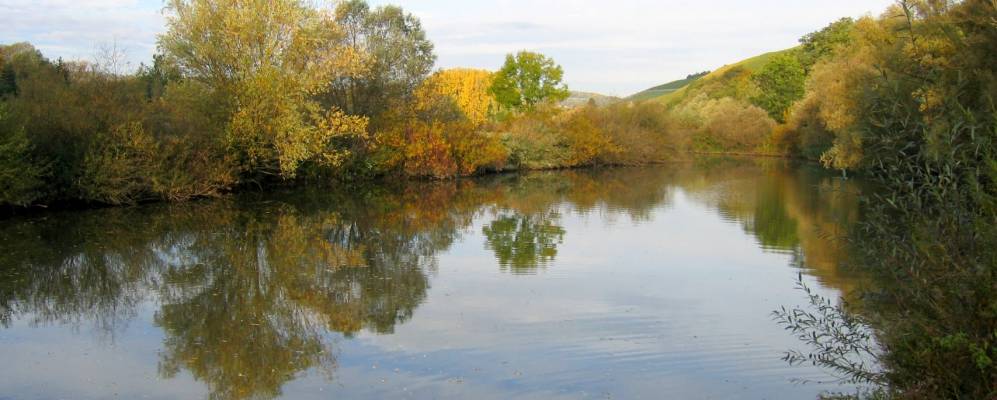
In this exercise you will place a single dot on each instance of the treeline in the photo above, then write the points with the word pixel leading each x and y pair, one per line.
pixel 268 92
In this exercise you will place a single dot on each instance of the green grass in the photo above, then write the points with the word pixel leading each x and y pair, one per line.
pixel 672 90
pixel 662 90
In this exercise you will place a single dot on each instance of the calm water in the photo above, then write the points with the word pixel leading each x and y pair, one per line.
pixel 618 283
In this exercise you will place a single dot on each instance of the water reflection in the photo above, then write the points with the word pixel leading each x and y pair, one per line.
pixel 524 242
pixel 252 292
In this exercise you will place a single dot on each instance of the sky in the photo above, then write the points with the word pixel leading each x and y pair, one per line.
pixel 612 47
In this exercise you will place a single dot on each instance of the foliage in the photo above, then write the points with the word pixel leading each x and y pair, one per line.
pixel 524 243
pixel 528 79
pixel 780 84
pixel 841 341
pixel 533 141
pixel 267 60
pixel 8 79
pixel 115 170
pixel 735 82
pixel 725 124
pixel 820 45
pixel 467 88
pixel 437 149
pixel 21 177
pixel 639 133
pixel 395 53
pixel 920 80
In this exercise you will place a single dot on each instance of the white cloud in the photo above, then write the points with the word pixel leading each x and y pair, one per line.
pixel 613 47
pixel 74 29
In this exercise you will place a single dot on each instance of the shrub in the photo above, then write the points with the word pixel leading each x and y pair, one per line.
pixel 737 125
pixel 22 178
pixel 119 167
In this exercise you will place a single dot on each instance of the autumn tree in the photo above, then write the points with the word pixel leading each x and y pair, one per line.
pixel 397 57
pixel 467 88
pixel 435 136
pixel 265 61
pixel 528 79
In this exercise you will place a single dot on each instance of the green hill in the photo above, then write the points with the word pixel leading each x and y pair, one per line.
pixel 674 90
pixel 667 88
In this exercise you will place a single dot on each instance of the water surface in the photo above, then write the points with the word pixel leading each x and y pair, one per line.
pixel 652 283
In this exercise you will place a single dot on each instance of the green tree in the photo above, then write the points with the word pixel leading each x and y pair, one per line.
pixel 528 79
pixel 821 44
pixel 780 83
pixel 522 243
pixel 21 179
pixel 158 76
pixel 8 81
pixel 397 57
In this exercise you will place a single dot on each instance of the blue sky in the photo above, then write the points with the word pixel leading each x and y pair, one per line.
pixel 613 47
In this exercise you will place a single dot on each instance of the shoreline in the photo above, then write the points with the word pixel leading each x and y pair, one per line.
pixel 8 212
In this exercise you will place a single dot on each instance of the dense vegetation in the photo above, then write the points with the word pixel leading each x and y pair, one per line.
pixel 263 93
pixel 908 100
pixel 905 98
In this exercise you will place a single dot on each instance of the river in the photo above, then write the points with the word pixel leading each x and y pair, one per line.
pixel 651 282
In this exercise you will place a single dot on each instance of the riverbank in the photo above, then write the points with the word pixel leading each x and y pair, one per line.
pixel 39 209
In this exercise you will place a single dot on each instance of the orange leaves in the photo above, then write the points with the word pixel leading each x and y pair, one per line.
pixel 440 150
pixel 438 135
pixel 427 152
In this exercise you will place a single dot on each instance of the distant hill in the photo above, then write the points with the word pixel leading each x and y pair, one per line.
pixel 676 89
pixel 578 99
pixel 667 88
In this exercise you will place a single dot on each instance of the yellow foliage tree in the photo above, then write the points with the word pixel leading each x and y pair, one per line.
pixel 834 97
pixel 468 88
pixel 267 59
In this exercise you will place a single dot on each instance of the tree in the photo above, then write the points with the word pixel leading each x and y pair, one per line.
pixel 8 81
pixel 397 57
pixel 266 61
pixel 522 243
pixel 819 45
pixel 528 79
pixel 21 178
pixel 158 76
pixel 467 88
pixel 780 83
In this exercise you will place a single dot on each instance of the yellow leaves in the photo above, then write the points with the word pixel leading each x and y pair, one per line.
pixel 846 153
pixel 586 141
pixel 468 88
pixel 439 149
pixel 268 59
pixel 438 136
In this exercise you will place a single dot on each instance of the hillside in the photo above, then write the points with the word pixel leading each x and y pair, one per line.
pixel 578 99
pixel 672 90
pixel 667 88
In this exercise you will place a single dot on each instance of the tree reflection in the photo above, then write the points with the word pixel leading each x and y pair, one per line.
pixel 254 290
pixel 799 210
pixel 522 243
pixel 251 292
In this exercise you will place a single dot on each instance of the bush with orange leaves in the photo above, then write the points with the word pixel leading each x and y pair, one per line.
pixel 435 139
